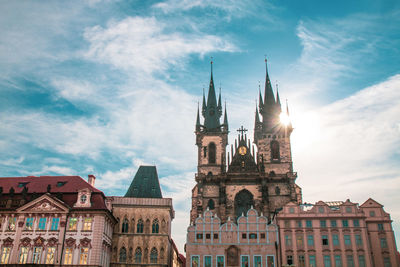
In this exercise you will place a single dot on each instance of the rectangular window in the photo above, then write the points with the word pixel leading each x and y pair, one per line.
pixel 361 260
pixel 244 261
pixel 299 240
pixel 207 261
pixel 68 255
pixel 29 223
pixel 356 223
pixel 23 255
pixel 350 261
pixel 50 255
pixel 333 223
pixel 309 224
pixel 380 226
pixel 5 255
pixel 11 224
pixel 302 261
pixel 327 261
pixel 348 209
pixel 72 224
pixel 347 240
pixel 244 235
pixel 358 240
pixel 199 236
pixel 84 256
pixel 338 261
pixel 383 242
pixel 37 253
pixel 287 224
pixel 312 261
pixel 310 240
pixel 220 261
pixel 253 236
pixel 87 224
pixel 262 235
pixel 321 209
pixel 215 236
pixel 257 261
pixel 335 240
pixel 299 224
pixel 345 223
pixel 289 259
pixel 322 223
pixel 386 262
pixel 270 261
pixel 54 224
pixel 325 240
pixel 42 224
pixel 288 240
pixel 208 236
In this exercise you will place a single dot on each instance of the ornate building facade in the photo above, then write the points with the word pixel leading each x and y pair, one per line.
pixel 54 220
pixel 142 236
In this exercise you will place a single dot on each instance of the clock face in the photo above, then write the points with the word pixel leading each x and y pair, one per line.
pixel 242 150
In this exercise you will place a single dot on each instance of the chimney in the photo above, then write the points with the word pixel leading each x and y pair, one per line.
pixel 91 179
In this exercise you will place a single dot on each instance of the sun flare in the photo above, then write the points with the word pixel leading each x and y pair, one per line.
pixel 284 118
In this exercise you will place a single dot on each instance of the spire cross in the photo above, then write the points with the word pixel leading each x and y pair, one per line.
pixel 242 130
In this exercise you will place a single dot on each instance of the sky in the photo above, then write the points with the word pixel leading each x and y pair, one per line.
pixel 104 86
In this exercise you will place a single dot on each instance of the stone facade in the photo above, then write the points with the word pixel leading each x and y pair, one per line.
pixel 142 236
pixel 337 234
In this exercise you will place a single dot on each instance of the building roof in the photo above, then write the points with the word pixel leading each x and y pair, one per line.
pixel 145 184
pixel 64 188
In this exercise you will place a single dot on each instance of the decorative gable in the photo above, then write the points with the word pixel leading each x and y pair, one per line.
pixel 44 203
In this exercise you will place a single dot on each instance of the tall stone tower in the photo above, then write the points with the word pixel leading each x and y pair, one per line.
pixel 230 183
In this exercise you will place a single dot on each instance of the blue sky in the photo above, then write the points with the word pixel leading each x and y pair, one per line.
pixel 101 87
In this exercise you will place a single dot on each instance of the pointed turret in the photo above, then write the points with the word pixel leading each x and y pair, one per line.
pixel 260 99
pixel 257 119
pixel 226 120
pixel 198 118
pixel 203 106
pixel 278 102
pixel 219 100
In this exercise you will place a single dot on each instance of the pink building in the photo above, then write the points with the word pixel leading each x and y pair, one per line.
pixel 336 234
pixel 250 242
pixel 54 220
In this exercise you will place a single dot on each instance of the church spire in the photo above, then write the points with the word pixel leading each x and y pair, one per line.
pixel 269 99
pixel 212 113
pixel 260 100
pixel 204 106
pixel 278 101
pixel 257 119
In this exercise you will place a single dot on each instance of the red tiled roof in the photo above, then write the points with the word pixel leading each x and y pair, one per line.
pixel 39 185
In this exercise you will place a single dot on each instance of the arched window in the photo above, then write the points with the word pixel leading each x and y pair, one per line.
pixel 211 153
pixel 139 228
pixel 125 226
pixel 122 255
pixel 138 255
pixel 155 227
pixel 277 190
pixel 275 150
pixel 211 204
pixel 153 255
pixel 243 202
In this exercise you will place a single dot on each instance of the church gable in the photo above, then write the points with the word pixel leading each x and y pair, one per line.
pixel 45 203
pixel 242 160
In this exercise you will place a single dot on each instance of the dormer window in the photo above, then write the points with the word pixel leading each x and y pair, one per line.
pixel 60 183
pixel 22 184
pixel 83 199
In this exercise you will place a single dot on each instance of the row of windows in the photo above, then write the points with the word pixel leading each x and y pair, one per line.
pixel 323 223
pixel 322 210
pixel 139 255
pixel 155 227
pixel 325 240
pixel 244 261
pixel 328 260
pixel 54 224
pixel 244 236
pixel 50 253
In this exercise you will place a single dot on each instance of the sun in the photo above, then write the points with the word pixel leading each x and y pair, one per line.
pixel 284 119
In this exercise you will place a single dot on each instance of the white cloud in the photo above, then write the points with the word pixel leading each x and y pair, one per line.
pixel 349 148
pixel 146 45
